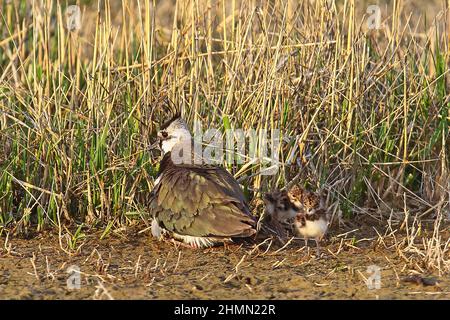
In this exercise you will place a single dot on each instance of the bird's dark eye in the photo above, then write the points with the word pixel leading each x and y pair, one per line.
pixel 164 134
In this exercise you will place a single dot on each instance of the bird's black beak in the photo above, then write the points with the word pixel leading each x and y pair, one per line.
pixel 156 144
pixel 159 139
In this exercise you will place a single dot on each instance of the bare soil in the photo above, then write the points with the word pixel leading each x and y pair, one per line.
pixel 135 266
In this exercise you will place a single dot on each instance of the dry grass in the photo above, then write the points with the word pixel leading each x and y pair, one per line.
pixel 369 108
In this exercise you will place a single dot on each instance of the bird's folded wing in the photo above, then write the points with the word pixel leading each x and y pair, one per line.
pixel 201 202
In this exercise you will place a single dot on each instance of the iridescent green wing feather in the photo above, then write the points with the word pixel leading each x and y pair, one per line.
pixel 199 201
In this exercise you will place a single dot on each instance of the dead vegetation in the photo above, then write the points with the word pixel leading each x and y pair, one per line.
pixel 367 108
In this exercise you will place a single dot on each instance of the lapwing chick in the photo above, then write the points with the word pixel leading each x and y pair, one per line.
pixel 305 211
pixel 312 219
pixel 279 212
pixel 279 206
pixel 200 205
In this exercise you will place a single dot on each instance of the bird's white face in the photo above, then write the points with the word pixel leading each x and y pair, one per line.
pixel 176 132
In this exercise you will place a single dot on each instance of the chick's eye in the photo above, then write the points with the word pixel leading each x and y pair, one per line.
pixel 164 134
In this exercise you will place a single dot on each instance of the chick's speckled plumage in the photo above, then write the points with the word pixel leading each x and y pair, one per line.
pixel 304 199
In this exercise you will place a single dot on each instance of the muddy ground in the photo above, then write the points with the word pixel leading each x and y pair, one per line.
pixel 132 265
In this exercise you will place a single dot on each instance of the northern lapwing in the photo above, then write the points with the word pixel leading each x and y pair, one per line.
pixel 200 205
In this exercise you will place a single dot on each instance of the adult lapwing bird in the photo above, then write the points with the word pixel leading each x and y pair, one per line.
pixel 303 209
pixel 197 204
